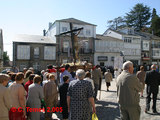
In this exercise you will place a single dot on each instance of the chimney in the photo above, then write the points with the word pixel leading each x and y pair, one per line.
pixel 44 32
pixel 50 24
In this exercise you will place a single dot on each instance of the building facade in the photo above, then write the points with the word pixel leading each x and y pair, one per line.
pixel 106 50
pixel 1 50
pixel 132 43
pixel 33 51
pixel 85 39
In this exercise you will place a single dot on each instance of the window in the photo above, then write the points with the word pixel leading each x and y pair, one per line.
pixel 112 58
pixel 36 52
pixel 102 58
pixel 65 46
pixel 127 39
pixel 81 33
pixel 64 29
pixel 86 46
pixel 49 53
pixel 23 52
pixel 88 32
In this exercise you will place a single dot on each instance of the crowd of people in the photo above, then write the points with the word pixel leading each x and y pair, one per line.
pixel 75 92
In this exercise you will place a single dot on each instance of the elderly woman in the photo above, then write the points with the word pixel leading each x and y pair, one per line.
pixel 80 93
pixel 5 103
pixel 141 75
pixel 50 95
pixel 17 92
pixel 108 78
pixel 35 96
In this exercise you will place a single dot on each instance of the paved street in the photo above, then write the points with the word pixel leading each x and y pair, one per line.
pixel 107 107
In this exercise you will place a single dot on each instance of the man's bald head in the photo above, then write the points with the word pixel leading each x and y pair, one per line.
pixel 153 67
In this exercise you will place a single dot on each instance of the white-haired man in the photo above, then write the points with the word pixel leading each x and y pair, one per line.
pixel 128 87
pixel 152 80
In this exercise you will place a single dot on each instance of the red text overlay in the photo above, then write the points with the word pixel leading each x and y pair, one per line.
pixel 28 109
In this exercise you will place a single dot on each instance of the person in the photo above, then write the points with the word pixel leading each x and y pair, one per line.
pixel 18 97
pixel 26 76
pixel 12 79
pixel 24 70
pixel 88 78
pixel 66 72
pixel 50 94
pixel 152 81
pixel 116 73
pixel 30 81
pixel 52 70
pixel 35 96
pixel 63 97
pixel 108 78
pixel 47 79
pixel 141 75
pixel 96 76
pixel 5 103
pixel 79 95
pixel 128 87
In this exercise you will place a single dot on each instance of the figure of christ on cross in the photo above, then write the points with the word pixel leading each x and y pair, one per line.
pixel 74 41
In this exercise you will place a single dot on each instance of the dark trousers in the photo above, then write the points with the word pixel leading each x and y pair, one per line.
pixel 96 87
pixel 148 100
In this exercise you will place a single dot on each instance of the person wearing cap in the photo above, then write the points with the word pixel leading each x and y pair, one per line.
pixel 152 81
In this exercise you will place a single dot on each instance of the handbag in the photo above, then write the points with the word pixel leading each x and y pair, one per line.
pixel 94 116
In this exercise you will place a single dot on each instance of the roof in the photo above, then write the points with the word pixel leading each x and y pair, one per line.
pixel 34 39
pixel 121 32
pixel 76 21
pixel 101 37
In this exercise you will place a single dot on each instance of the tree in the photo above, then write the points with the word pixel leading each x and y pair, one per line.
pixel 138 17
pixel 5 59
pixel 116 23
pixel 155 23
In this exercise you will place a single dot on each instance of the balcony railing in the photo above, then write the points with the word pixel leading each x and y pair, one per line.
pixel 81 51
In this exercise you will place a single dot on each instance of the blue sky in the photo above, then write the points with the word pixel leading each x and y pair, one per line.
pixel 32 16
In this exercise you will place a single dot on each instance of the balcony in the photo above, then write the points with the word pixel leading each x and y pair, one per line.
pixel 81 51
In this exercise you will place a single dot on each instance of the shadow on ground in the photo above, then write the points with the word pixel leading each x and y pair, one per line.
pixel 107 110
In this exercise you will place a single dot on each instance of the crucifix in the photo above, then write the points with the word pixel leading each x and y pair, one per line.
pixel 74 41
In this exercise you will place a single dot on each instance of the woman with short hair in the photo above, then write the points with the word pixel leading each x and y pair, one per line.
pixel 50 94
pixel 5 102
pixel 35 96
pixel 80 93
pixel 18 96
pixel 108 78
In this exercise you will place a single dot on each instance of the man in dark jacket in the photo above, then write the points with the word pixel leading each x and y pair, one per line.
pixel 152 81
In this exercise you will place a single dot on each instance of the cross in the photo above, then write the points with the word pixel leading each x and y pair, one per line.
pixel 73 36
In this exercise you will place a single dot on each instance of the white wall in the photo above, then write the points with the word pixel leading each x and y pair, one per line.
pixel 60 25
pixel 106 63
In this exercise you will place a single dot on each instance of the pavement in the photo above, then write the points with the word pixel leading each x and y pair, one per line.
pixel 107 107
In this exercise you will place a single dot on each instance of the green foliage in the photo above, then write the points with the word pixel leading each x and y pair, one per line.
pixel 5 59
pixel 155 23
pixel 116 23
pixel 138 17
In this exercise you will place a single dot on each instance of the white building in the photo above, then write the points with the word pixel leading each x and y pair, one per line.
pixel 85 39
pixel 132 43
pixel 107 49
